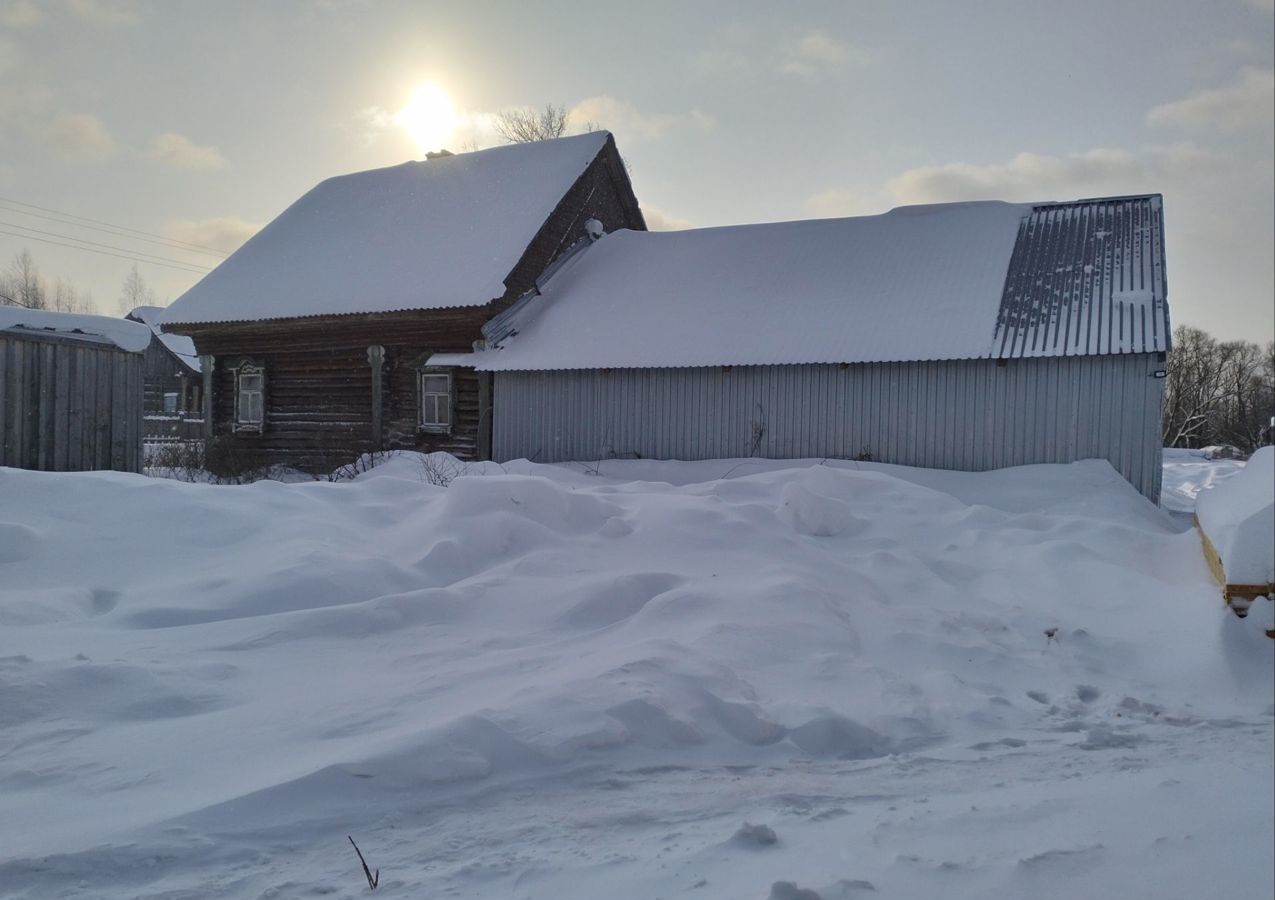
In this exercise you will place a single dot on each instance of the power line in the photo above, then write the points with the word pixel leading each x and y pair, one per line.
pixel 170 244
pixel 143 256
pixel 183 267
pixel 109 224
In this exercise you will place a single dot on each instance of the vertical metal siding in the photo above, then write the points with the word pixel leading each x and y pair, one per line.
pixel 969 414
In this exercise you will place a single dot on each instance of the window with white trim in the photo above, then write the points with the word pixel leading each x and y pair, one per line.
pixel 435 401
pixel 250 397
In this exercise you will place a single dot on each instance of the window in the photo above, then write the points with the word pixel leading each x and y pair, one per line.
pixel 436 401
pixel 250 406
pixel 170 403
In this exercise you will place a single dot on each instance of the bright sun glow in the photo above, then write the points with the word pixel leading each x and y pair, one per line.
pixel 428 117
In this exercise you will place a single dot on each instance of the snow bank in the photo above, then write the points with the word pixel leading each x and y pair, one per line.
pixel 122 333
pixel 1238 517
pixel 549 683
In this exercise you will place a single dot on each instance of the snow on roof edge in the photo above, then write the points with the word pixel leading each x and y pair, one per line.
pixel 179 345
pixel 165 324
pixel 133 337
pixel 488 361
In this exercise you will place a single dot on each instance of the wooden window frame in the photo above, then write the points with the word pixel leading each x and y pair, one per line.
pixel 422 373
pixel 242 425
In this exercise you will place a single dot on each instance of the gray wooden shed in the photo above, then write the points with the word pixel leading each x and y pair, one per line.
pixel 70 391
pixel 964 336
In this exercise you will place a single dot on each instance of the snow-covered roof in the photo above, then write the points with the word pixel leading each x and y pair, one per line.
pixel 124 334
pixel 443 232
pixel 179 345
pixel 916 283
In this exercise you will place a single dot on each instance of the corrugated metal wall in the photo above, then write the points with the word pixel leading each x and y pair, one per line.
pixel 69 405
pixel 969 414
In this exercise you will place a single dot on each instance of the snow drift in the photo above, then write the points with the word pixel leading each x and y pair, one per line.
pixel 539 682
pixel 1238 517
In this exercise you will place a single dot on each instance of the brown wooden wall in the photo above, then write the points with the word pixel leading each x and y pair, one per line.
pixel 318 379
pixel 164 373
pixel 319 385
pixel 69 405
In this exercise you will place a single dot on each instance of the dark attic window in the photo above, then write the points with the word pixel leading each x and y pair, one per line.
pixel 436 394
pixel 250 397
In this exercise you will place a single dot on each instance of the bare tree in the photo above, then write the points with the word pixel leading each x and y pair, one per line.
pixel 521 126
pixel 1218 392
pixel 67 299
pixel 1193 389
pixel 1250 384
pixel 135 292
pixel 21 284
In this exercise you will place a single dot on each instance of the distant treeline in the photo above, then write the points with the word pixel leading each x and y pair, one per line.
pixel 1218 392
pixel 21 284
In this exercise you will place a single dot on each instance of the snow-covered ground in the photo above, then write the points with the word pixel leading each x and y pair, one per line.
pixel 1186 473
pixel 547 682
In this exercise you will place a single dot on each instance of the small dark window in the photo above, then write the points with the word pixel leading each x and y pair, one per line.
pixel 250 393
pixel 436 401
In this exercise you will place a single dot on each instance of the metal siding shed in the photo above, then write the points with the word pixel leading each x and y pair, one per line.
pixel 1065 370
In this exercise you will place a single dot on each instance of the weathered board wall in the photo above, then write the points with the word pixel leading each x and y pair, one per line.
pixel 69 405
pixel 318 396
pixel 971 414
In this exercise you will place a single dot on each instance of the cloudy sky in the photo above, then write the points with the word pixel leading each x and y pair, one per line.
pixel 197 122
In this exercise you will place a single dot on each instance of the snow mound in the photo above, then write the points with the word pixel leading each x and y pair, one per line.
pixel 1238 516
pixel 541 681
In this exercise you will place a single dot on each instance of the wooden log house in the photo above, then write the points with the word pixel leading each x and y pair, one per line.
pixel 172 384
pixel 315 336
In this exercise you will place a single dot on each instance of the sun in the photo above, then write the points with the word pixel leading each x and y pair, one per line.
pixel 429 117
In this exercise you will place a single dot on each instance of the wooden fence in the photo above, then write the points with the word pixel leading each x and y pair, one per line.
pixel 69 404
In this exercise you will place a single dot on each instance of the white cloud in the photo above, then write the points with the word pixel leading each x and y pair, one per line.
pixel 371 122
pixel 1261 5
pixel 740 51
pixel 181 152
pixel 104 12
pixel 656 220
pixel 222 233
pixel 80 136
pixel 630 124
pixel 816 53
pixel 1248 102
pixel 10 55
pixel 1034 176
pixel 835 203
pixel 20 14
